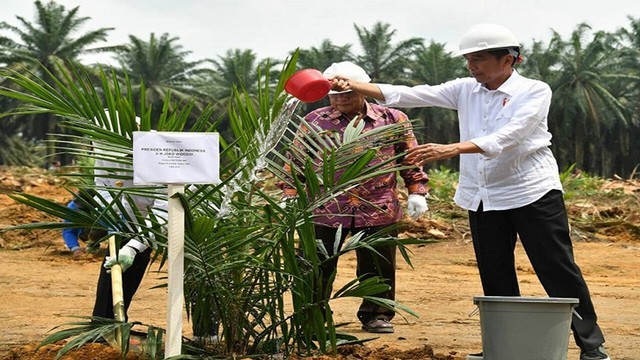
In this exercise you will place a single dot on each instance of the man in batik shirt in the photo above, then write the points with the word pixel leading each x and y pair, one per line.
pixel 371 206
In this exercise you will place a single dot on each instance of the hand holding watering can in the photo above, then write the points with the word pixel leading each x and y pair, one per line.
pixel 310 85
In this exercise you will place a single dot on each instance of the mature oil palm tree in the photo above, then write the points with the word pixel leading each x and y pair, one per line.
pixel 237 72
pixel 627 138
pixel 383 60
pixel 50 40
pixel 541 60
pixel 434 65
pixel 42 45
pixel 237 69
pixel 162 69
pixel 324 55
pixel 585 104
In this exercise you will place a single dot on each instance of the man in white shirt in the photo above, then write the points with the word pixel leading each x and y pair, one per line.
pixel 509 180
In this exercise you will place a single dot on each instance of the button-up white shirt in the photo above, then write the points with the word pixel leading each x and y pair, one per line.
pixel 509 124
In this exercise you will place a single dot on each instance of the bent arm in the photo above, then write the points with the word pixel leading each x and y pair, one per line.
pixel 423 154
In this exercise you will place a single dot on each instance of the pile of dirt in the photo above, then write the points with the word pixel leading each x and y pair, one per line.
pixel 354 352
pixel 49 352
pixel 612 214
pixel 106 352
pixel 32 181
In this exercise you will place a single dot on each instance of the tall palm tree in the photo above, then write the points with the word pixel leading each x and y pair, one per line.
pixel 237 72
pixel 542 59
pixel 323 56
pixel 628 44
pixel 434 65
pixel 383 60
pixel 50 39
pixel 161 67
pixel 37 47
pixel 236 69
pixel 584 104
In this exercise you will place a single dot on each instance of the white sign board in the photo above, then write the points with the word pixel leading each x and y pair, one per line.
pixel 175 158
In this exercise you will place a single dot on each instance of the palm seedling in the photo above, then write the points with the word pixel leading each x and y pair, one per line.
pixel 251 266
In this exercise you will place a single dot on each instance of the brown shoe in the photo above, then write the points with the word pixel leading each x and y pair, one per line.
pixel 378 326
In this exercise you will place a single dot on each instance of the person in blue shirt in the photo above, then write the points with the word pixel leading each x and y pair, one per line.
pixel 73 236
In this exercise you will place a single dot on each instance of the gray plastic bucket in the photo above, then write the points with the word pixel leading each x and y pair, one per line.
pixel 525 328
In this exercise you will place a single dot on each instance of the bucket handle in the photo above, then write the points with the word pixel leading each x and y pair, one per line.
pixel 573 310
pixel 477 310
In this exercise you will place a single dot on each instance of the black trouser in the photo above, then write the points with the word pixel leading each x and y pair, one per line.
pixel 131 280
pixel 544 232
pixel 369 265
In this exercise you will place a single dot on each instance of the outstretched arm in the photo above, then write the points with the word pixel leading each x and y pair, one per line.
pixel 340 83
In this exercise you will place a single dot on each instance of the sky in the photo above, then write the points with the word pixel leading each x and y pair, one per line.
pixel 274 28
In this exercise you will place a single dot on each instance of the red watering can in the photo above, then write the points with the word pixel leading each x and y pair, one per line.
pixel 308 85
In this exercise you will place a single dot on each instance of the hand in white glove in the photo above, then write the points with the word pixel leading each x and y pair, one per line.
pixel 125 258
pixel 416 205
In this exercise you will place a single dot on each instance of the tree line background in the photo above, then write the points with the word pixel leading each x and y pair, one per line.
pixel 595 77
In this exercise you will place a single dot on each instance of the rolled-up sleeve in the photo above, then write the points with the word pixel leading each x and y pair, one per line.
pixel 415 179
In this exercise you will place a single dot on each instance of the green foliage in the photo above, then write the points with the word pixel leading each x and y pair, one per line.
pixel 15 150
pixel 91 330
pixel 40 47
pixel 160 65
pixel 383 59
pixel 249 261
pixel 578 183
pixel 442 184
pixel 594 75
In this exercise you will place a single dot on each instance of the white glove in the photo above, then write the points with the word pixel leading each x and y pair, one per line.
pixel 125 258
pixel 416 205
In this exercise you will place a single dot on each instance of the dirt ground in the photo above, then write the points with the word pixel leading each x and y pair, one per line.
pixel 42 286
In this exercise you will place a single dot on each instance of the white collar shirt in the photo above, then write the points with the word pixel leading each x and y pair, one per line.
pixel 509 124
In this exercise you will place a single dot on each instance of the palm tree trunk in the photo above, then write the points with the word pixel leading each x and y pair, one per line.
pixel 579 144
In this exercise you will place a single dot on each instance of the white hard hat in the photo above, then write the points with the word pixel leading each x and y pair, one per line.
pixel 482 37
pixel 348 70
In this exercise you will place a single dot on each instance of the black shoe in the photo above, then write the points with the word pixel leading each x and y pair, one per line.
pixel 378 326
pixel 596 354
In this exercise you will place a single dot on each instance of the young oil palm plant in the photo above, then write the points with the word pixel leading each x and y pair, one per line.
pixel 251 266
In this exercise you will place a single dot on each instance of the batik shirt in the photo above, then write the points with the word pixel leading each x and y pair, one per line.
pixel 374 202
